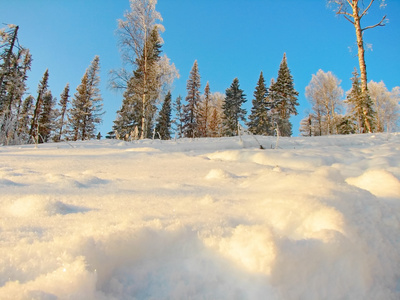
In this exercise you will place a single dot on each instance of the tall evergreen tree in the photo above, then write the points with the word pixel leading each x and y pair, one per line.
pixel 24 119
pixel 193 99
pixel 204 112
pixel 179 117
pixel 360 105
pixel 42 89
pixel 232 108
pixel 259 120
pixel 284 98
pixel 46 118
pixel 163 126
pixel 62 116
pixel 86 109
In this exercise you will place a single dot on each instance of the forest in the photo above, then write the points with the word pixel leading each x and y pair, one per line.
pixel 149 110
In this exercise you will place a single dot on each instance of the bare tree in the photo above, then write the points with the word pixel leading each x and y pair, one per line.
pixel 353 11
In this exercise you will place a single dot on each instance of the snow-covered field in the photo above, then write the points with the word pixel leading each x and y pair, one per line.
pixel 317 218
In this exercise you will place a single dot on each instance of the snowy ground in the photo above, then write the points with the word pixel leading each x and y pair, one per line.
pixel 317 218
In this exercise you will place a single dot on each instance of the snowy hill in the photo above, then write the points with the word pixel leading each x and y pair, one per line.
pixel 317 218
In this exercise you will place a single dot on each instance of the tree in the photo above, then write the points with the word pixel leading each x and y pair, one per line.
pixel 283 99
pixel 140 45
pixel 193 99
pixel 360 105
pixel 232 107
pixel 204 112
pixel 64 99
pixel 386 105
pixel 324 93
pixel 306 126
pixel 179 117
pixel 42 89
pixel 259 120
pixel 353 11
pixel 163 126
pixel 86 109
pixel 46 118
pixel 215 128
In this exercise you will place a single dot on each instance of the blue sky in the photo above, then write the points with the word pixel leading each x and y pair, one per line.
pixel 229 38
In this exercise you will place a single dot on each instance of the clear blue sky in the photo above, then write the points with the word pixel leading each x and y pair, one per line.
pixel 229 38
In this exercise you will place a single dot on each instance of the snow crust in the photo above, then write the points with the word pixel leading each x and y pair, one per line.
pixel 317 218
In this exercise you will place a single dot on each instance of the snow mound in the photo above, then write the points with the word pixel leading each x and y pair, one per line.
pixel 219 174
pixel 37 205
pixel 380 183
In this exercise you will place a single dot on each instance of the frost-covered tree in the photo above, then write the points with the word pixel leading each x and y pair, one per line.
pixel 190 110
pixel 259 119
pixel 386 105
pixel 140 44
pixel 86 110
pixel 163 126
pixel 283 98
pixel 232 107
pixel 215 127
pixel 306 126
pixel 324 93
pixel 24 119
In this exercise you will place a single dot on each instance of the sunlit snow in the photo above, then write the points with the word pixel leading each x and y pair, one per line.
pixel 317 218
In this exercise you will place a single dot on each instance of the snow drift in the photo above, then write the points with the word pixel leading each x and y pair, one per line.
pixel 317 218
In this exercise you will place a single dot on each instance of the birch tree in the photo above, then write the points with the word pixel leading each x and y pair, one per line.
pixel 135 33
pixel 353 11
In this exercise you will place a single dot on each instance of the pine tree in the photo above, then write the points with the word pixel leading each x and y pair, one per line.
pixel 193 99
pixel 306 126
pixel 232 107
pixel 284 98
pixel 24 119
pixel 42 89
pixel 259 120
pixel 163 126
pixel 87 105
pixel 62 116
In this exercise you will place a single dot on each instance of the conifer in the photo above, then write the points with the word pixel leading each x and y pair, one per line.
pixel 232 108
pixel 163 126
pixel 191 117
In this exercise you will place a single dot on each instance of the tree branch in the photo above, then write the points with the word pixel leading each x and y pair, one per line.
pixel 378 24
pixel 365 10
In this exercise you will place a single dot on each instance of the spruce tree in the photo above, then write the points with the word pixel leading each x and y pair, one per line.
pixel 46 118
pixel 191 117
pixel 163 126
pixel 179 117
pixel 24 119
pixel 205 112
pixel 42 89
pixel 259 120
pixel 360 105
pixel 62 116
pixel 284 99
pixel 86 110
pixel 232 108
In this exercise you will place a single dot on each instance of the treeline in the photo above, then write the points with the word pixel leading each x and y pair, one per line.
pixel 42 118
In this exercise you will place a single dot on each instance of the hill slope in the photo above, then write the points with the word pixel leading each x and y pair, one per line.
pixel 317 218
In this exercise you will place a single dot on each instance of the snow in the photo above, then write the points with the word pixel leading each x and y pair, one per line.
pixel 317 218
